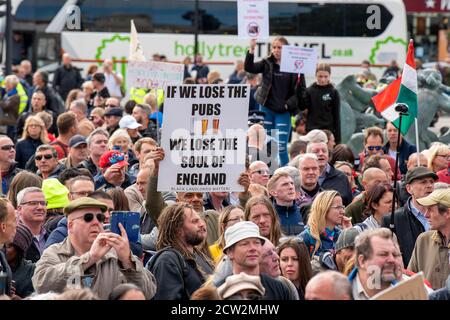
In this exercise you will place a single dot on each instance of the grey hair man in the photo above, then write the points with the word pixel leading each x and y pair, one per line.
pixel 32 212
pixel 378 263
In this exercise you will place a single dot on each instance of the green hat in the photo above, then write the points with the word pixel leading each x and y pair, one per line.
pixel 55 193
pixel 84 202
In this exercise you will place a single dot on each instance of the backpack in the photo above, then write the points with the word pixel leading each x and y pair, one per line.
pixel 151 264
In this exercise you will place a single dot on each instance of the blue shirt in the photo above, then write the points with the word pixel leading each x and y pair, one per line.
pixel 419 215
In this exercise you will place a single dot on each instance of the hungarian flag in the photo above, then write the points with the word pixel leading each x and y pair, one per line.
pixel 402 90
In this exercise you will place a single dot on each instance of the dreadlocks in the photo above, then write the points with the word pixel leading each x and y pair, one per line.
pixel 169 223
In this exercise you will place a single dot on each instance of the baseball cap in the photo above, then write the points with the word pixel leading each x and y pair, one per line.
pixel 114 111
pixel 240 231
pixel 439 196
pixel 346 239
pixel 419 173
pixel 315 135
pixel 84 202
pixel 238 282
pixel 129 122
pixel 112 157
pixel 76 140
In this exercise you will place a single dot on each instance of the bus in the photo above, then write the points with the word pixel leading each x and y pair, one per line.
pixel 345 32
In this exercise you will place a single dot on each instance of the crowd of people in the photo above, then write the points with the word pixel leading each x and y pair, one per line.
pixel 315 221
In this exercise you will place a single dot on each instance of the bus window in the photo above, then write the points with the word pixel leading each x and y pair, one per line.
pixel 218 17
pixel 324 20
pixel 37 11
pixel 149 16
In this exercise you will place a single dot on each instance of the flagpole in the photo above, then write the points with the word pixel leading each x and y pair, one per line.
pixel 402 110
pixel 417 141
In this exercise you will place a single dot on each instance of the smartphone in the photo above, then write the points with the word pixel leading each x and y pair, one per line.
pixel 130 220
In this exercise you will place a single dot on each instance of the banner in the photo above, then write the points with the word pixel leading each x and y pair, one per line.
pixel 410 289
pixel 253 19
pixel 296 59
pixel 204 138
pixel 153 74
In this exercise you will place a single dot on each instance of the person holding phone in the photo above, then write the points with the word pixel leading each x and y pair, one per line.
pixel 113 166
pixel 90 256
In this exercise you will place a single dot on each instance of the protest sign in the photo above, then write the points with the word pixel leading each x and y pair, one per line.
pixel 296 59
pixel 253 19
pixel 204 137
pixel 153 74
pixel 410 289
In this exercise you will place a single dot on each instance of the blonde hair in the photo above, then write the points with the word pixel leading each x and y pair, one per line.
pixel 223 217
pixel 317 218
pixel 434 151
pixel 272 183
pixel 36 120
pixel 151 99
pixel 12 80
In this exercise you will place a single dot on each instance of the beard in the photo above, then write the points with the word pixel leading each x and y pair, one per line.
pixel 388 277
pixel 194 239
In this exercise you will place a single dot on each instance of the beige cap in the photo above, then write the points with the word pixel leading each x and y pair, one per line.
pixel 440 196
pixel 237 282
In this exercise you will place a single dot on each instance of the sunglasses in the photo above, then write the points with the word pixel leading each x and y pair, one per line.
pixel 377 148
pixel 7 147
pixel 46 156
pixel 88 217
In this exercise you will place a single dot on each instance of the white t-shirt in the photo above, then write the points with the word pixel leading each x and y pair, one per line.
pixel 111 84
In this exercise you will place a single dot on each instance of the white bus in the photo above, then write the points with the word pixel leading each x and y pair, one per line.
pixel 346 32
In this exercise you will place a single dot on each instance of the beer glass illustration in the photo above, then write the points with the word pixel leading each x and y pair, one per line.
pixel 216 125
pixel 204 125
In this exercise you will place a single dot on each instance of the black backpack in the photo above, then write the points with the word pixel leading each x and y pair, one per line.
pixel 151 264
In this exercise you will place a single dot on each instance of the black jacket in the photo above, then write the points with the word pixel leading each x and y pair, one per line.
pixel 336 180
pixel 67 79
pixel 406 149
pixel 4 267
pixel 265 66
pixel 407 229
pixel 7 178
pixel 22 276
pixel 90 165
pixel 25 149
pixel 323 105
pixel 177 277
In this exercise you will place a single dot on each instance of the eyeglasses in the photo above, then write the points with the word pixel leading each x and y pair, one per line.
pixel 46 156
pixel 35 203
pixel 34 126
pixel 377 148
pixel 262 171
pixel 338 207
pixel 445 156
pixel 88 217
pixel 115 158
pixel 7 147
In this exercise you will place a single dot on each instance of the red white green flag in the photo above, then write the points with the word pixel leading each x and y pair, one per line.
pixel 402 90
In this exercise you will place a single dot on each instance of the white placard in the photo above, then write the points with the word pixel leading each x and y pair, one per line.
pixel 204 137
pixel 296 59
pixel 253 19
pixel 153 74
